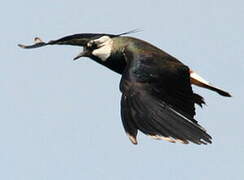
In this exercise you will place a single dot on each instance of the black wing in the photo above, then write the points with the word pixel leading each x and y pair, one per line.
pixel 157 99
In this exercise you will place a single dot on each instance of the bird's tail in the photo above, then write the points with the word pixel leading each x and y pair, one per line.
pixel 199 81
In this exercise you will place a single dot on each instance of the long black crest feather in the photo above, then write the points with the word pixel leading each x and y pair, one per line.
pixel 130 32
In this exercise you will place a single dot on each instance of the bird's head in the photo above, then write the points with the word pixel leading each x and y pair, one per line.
pixel 100 48
pixel 94 44
pixel 97 46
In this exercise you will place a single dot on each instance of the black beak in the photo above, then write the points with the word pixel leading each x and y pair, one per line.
pixel 83 53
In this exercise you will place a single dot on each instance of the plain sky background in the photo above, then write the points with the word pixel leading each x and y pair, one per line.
pixel 60 120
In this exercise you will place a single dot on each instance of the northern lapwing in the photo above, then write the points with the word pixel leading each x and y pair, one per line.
pixel 157 96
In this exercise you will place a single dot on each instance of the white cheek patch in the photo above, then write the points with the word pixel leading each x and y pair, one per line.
pixel 105 45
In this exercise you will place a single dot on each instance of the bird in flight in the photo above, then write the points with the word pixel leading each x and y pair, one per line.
pixel 157 96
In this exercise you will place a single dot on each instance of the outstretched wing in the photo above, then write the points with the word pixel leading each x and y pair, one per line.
pixel 74 40
pixel 158 100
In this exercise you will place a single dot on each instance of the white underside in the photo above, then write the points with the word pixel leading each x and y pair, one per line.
pixel 195 76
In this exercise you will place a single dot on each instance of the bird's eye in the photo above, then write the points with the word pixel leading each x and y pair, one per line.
pixel 92 44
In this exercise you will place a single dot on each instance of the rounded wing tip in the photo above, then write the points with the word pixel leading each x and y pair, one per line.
pixel 132 139
pixel 21 45
pixel 37 43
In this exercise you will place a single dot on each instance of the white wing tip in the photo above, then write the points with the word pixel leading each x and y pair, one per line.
pixel 132 138
pixel 169 139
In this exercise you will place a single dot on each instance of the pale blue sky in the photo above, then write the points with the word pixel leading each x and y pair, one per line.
pixel 60 120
